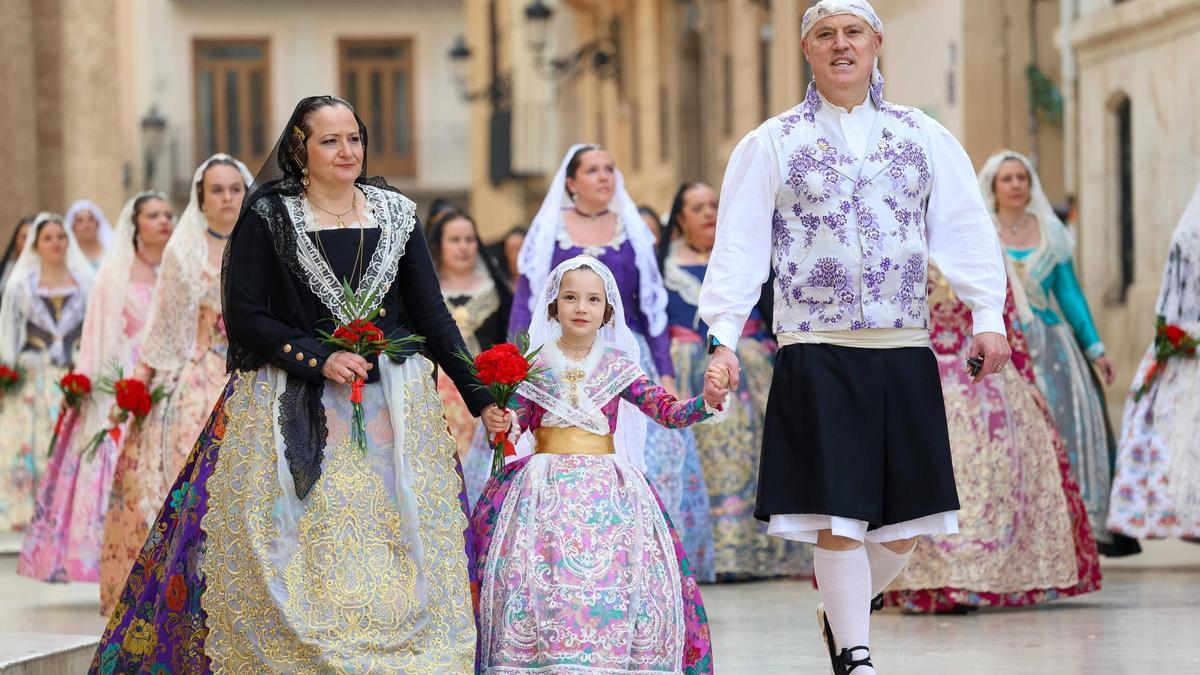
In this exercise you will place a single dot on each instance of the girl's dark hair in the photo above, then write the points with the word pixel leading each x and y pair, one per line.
pixel 200 183
pixel 671 228
pixel 575 161
pixel 38 230
pixel 293 155
pixel 138 203
pixel 10 250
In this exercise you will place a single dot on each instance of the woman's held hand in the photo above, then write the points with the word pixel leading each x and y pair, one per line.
pixel 343 367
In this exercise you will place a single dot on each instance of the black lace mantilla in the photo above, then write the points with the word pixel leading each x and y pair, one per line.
pixel 303 426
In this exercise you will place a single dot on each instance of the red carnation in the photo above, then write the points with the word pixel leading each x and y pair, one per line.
pixel 503 364
pixel 75 383
pixel 130 393
pixel 1175 335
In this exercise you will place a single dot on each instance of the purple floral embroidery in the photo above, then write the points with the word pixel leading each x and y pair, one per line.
pixel 781 236
pixel 831 275
pixel 913 278
pixel 836 222
pixel 874 277
pixel 802 166
pixel 812 103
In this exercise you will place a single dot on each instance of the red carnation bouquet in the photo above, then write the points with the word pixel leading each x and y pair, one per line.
pixel 1169 340
pixel 74 386
pixel 133 398
pixel 362 337
pixel 10 378
pixel 500 370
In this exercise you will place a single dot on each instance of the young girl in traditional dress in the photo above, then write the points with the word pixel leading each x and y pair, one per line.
pixel 579 565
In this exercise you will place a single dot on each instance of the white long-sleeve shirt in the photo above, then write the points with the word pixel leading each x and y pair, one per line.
pixel 960 233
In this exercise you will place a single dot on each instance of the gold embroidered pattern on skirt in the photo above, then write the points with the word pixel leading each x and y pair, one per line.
pixel 343 581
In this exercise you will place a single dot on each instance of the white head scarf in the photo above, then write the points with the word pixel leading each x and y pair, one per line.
pixel 1056 245
pixel 538 250
pixel 1179 298
pixel 630 436
pixel 104 231
pixel 171 326
pixel 104 341
pixel 19 293
pixel 859 8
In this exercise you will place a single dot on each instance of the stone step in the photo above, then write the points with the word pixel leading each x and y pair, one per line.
pixel 45 653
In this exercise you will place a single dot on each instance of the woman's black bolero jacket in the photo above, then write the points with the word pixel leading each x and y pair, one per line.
pixel 273 316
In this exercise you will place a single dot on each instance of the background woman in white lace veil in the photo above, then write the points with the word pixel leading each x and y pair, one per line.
pixel 587 209
pixel 92 232
pixel 1160 426
pixel 184 352
pixel 40 322
pixel 1061 333
pixel 63 542
pixel 582 496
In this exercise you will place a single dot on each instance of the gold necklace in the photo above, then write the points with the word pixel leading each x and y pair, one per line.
pixel 577 350
pixel 358 256
pixel 353 205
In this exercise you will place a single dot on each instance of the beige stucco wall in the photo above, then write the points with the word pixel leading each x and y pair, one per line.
pixel 1147 50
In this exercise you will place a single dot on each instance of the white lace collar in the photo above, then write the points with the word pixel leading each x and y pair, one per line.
pixel 396 216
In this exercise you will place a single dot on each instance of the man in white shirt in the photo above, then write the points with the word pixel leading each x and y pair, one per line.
pixel 847 198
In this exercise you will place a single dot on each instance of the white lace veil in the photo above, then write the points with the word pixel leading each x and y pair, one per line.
pixel 1179 298
pixel 103 342
pixel 1056 244
pixel 538 250
pixel 18 294
pixel 630 436
pixel 171 324
pixel 104 231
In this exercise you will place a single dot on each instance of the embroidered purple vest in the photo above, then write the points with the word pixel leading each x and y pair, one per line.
pixel 849 248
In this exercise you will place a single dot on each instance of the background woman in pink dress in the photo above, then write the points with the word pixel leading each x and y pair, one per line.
pixel 63 541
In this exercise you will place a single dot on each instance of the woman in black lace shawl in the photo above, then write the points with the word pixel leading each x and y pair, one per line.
pixel 282 547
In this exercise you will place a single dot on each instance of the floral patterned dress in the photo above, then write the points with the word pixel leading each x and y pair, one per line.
pixel 580 568
pixel 28 414
pixel 152 456
pixel 63 541
pixel 1024 536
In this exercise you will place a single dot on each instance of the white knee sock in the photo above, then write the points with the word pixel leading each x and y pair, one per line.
pixel 844 579
pixel 886 565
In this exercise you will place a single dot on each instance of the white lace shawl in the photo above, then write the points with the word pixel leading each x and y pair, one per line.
pixel 182 283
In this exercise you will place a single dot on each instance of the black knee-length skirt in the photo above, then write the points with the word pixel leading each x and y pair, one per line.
pixel 856 433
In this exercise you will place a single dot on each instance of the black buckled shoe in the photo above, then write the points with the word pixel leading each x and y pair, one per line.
pixel 849 663
pixel 877 603
pixel 835 664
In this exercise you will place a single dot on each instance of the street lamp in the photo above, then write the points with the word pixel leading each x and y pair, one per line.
pixel 537 17
pixel 460 59
pixel 154 127
pixel 602 55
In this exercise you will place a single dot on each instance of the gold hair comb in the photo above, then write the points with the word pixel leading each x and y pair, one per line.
pixel 298 133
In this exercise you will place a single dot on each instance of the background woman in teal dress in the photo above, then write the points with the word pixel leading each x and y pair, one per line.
pixel 1062 336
